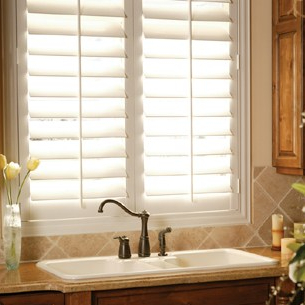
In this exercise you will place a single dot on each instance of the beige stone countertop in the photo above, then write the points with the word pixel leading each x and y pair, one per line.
pixel 30 278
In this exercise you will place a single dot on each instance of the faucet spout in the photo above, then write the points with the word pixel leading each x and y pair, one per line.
pixel 144 246
pixel 120 204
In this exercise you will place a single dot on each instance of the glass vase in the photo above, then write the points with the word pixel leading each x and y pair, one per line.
pixel 12 236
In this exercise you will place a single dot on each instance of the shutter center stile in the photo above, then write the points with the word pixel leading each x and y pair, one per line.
pixel 80 107
pixel 190 56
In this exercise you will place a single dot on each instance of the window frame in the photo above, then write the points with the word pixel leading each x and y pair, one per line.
pixel 107 223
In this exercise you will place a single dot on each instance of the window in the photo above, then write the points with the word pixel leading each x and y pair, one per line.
pixel 144 101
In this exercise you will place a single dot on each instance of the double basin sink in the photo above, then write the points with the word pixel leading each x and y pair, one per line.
pixel 180 261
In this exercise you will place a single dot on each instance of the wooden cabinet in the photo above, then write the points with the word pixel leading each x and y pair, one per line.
pixel 238 292
pixel 288 83
pixel 35 298
pixel 242 292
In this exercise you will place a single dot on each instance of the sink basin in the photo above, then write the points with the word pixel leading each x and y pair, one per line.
pixel 219 258
pixel 180 261
pixel 92 267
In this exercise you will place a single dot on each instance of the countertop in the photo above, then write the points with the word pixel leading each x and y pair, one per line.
pixel 30 278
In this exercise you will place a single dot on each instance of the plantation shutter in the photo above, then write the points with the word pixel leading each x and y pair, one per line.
pixel 76 105
pixel 190 104
pixel 136 100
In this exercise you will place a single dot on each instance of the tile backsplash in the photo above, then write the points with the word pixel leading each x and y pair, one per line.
pixel 272 193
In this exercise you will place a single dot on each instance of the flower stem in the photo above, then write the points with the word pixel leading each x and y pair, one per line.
pixel 21 186
pixel 6 187
pixel 10 193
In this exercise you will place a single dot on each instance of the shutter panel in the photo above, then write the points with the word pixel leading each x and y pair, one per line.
pixel 166 89
pixel 189 101
pixel 212 93
pixel 76 84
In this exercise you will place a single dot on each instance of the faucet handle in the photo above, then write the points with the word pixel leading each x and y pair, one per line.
pixel 124 249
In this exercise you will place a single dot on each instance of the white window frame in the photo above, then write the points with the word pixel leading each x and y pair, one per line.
pixel 109 223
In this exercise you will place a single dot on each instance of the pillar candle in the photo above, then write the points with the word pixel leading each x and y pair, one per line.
pixel 277 222
pixel 284 243
pixel 277 231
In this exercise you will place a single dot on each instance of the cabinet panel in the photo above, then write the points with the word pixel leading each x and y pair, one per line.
pixel 78 298
pixel 39 298
pixel 287 127
pixel 248 292
pixel 287 90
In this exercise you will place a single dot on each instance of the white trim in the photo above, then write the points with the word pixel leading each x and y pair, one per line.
pixel 128 223
pixel 245 85
pixel 10 80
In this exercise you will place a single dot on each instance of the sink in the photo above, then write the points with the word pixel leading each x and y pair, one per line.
pixel 180 261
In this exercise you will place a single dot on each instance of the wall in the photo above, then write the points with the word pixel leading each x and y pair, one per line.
pixel 271 192
pixel 261 68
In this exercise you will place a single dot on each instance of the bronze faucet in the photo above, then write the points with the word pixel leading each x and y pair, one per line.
pixel 144 247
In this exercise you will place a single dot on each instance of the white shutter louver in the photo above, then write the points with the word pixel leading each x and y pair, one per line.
pixel 76 84
pixel 188 64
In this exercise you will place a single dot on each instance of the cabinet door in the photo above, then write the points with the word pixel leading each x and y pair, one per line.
pixel 287 83
pixel 248 292
pixel 39 298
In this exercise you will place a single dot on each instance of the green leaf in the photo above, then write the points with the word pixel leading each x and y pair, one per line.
pixel 294 246
pixel 300 187
pixel 299 256
pixel 299 273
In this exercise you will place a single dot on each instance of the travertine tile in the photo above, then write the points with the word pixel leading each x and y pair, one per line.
pixel 235 236
pixel 292 205
pixel 82 245
pixel 54 239
pixel 277 186
pixel 55 253
pixel 265 231
pixel 208 230
pixel 209 243
pixel 108 249
pixel 257 171
pixel 34 248
pixel 186 239
pixel 263 205
pixel 256 242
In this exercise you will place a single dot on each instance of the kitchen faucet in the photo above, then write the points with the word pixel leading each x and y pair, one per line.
pixel 144 247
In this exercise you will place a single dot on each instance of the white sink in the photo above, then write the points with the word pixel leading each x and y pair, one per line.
pixel 181 261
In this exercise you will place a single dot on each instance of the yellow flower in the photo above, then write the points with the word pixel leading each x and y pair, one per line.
pixel 3 162
pixel 32 164
pixel 12 170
